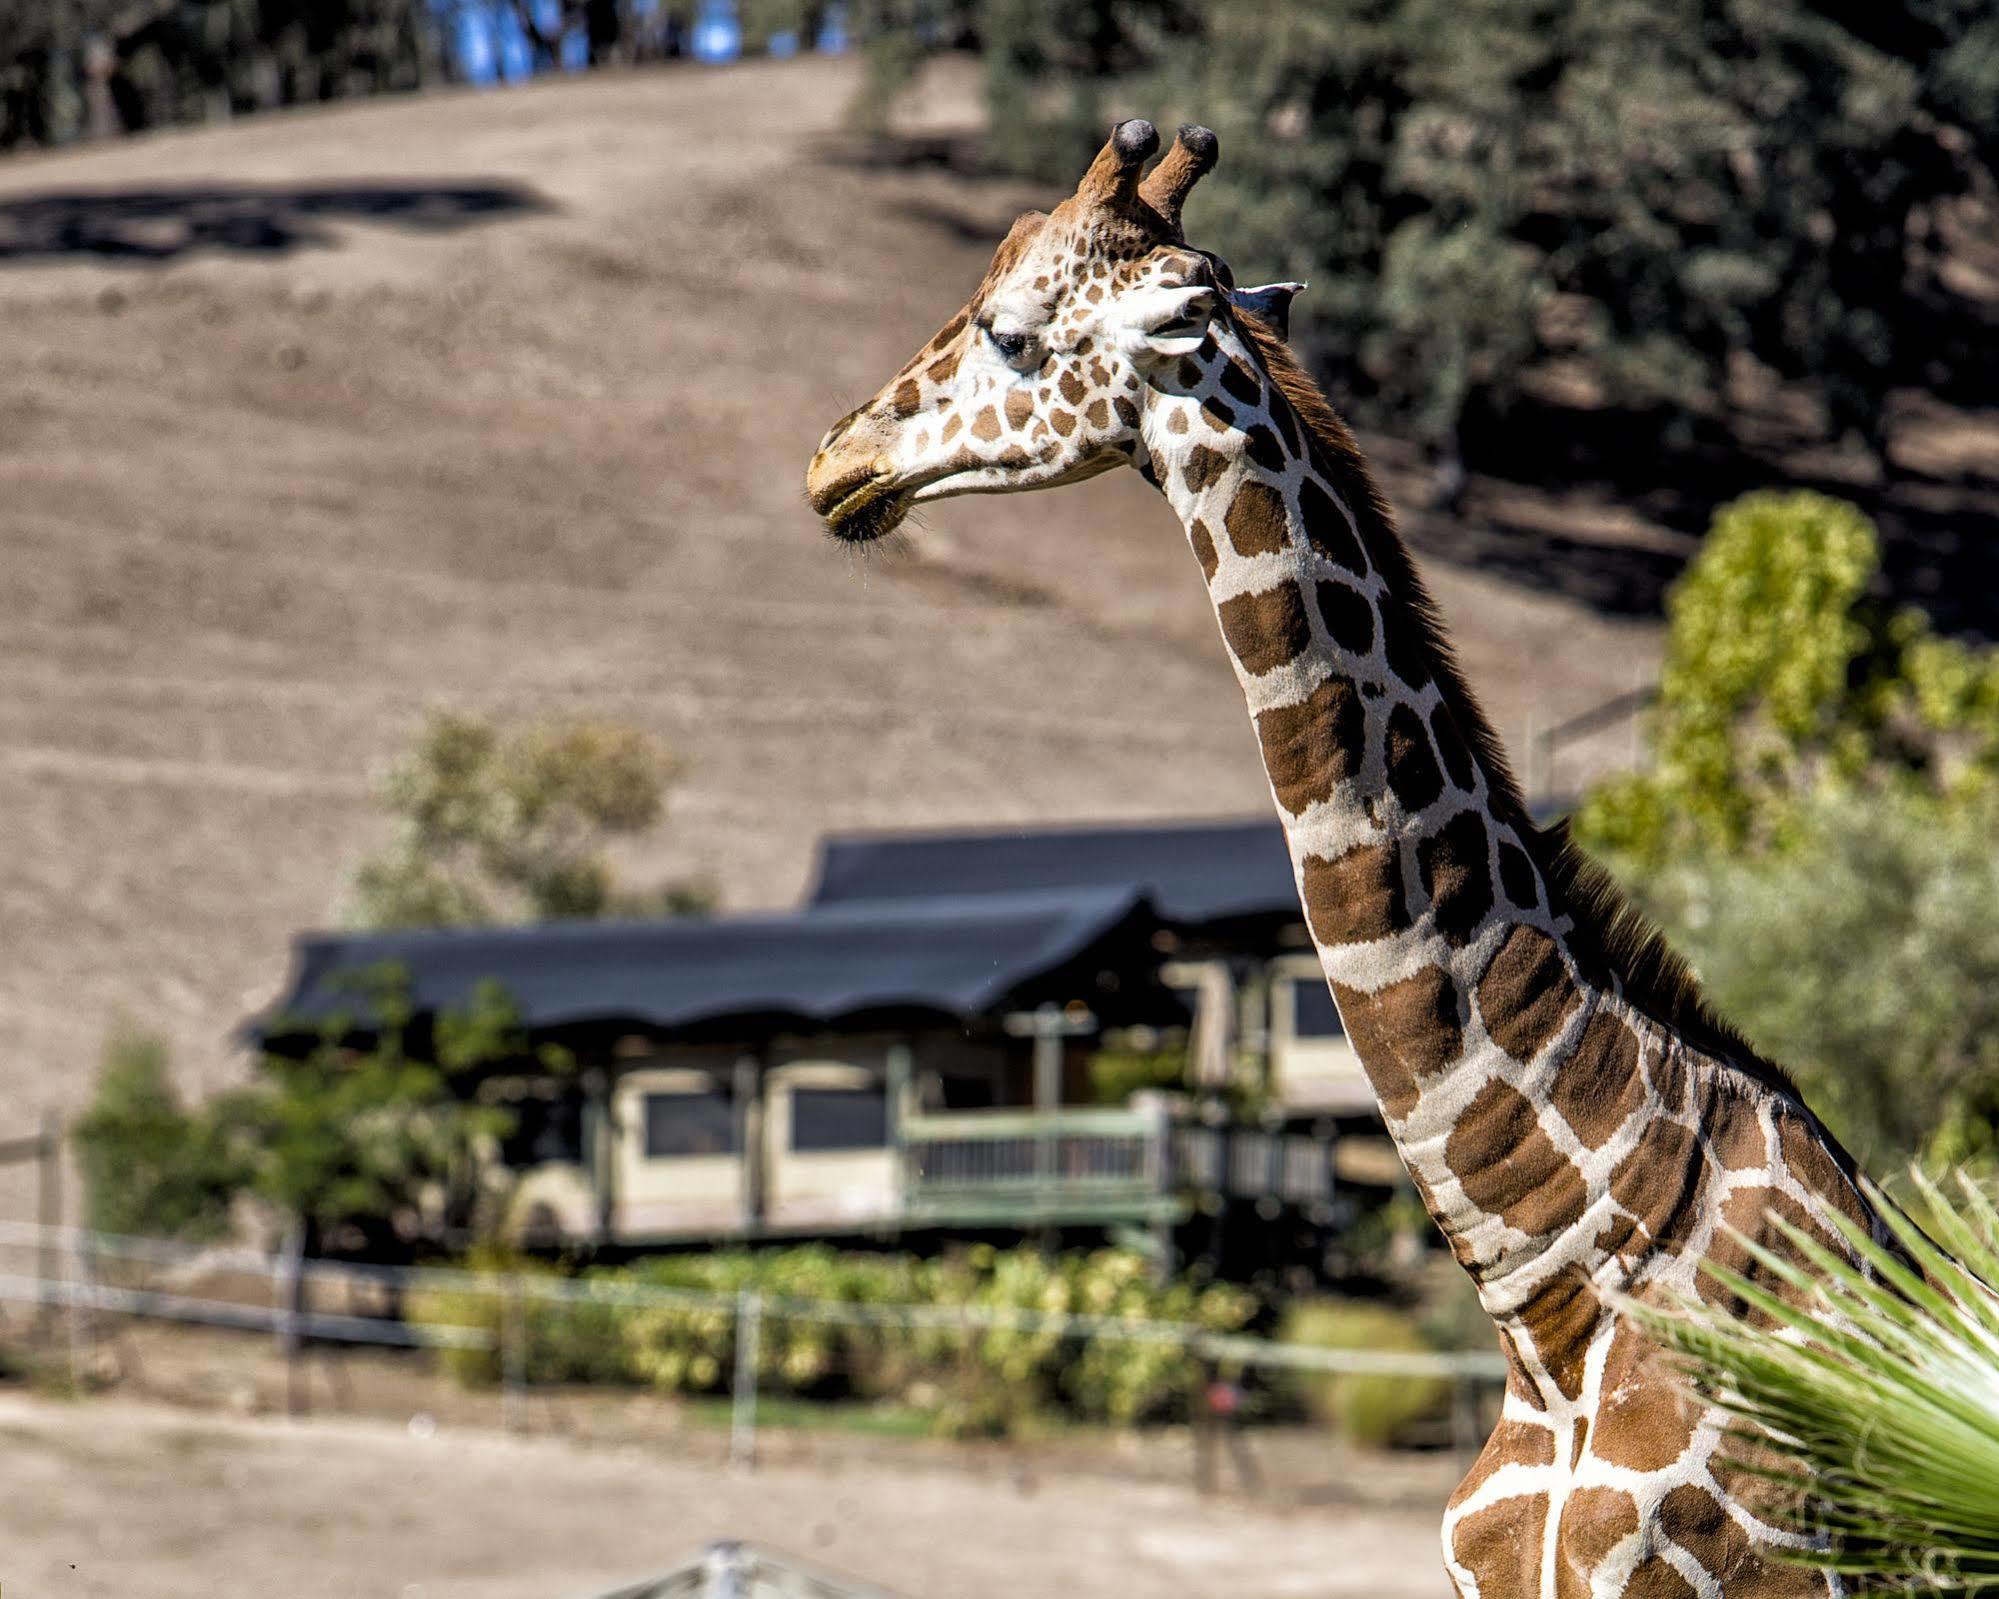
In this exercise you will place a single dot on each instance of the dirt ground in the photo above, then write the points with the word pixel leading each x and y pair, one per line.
pixel 124 1500
pixel 502 401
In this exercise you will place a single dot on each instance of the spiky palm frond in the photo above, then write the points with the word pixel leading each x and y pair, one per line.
pixel 1872 1383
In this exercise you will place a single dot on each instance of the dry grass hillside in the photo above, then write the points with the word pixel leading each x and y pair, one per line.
pixel 502 402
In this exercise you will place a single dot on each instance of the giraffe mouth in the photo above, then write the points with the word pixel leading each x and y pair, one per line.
pixel 872 511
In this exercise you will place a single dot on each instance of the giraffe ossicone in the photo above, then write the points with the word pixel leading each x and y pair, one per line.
pixel 1579 1126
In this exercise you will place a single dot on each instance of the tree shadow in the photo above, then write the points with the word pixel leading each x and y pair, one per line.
pixel 1581 470
pixel 152 226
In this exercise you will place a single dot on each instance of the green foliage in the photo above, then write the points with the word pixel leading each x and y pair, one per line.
pixel 501 827
pixel 1117 1074
pixel 150 1166
pixel 1369 1410
pixel 1874 1386
pixel 372 1132
pixel 1642 190
pixel 1865 957
pixel 969 1380
pixel 1815 825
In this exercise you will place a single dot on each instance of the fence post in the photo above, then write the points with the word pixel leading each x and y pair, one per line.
pixel 48 1214
pixel 288 1296
pixel 82 1279
pixel 743 1393
pixel 513 1356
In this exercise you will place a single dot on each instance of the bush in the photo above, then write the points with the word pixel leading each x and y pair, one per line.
pixel 149 1166
pixel 1367 1410
pixel 976 1380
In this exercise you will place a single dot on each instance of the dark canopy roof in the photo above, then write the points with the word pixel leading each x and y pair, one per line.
pixel 954 958
pixel 1193 872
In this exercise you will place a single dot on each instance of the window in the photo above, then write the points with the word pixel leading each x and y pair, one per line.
pixel 1313 1014
pixel 544 1130
pixel 838 1118
pixel 690 1124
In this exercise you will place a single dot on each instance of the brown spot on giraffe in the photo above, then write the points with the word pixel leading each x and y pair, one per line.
pixel 1457 874
pixel 1204 546
pixel 1019 407
pixel 1695 1520
pixel 1501 1544
pixel 1311 747
pixel 986 425
pixel 1564 1316
pixel 1348 616
pixel 1526 994
pixel 1412 765
pixel 1405 1033
pixel 1594 1521
pixel 1356 897
pixel 1266 629
pixel 1327 525
pixel 1602 1088
pixel 1257 522
pixel 1204 468
pixel 1508 1166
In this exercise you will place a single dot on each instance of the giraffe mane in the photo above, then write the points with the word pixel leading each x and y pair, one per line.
pixel 1611 934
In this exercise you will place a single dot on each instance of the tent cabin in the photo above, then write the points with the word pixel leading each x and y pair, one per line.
pixel 909 1052
pixel 847 1068
pixel 1233 939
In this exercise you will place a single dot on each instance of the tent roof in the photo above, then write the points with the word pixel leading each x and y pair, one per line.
pixel 1193 872
pixel 952 957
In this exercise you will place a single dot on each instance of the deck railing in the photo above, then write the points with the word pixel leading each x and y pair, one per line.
pixel 1098 1165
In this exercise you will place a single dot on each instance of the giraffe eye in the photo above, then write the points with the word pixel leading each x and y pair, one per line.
pixel 1012 347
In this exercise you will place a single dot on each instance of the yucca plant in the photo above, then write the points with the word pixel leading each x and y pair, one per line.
pixel 1873 1387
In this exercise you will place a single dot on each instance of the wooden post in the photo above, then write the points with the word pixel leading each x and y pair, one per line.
pixel 743 1390
pixel 48 1213
pixel 600 1149
pixel 513 1356
pixel 899 1090
pixel 748 1093
pixel 288 1290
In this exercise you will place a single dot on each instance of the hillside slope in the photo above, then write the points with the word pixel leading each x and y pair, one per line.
pixel 502 401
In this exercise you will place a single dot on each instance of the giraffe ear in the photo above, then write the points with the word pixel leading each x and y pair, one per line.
pixel 1166 323
pixel 1270 304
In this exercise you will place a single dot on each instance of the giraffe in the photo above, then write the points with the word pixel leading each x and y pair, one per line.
pixel 1580 1127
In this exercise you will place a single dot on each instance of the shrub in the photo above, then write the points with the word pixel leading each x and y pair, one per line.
pixel 149 1166
pixel 973 1379
pixel 1370 1410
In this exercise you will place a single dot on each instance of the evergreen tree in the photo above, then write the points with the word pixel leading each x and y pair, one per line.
pixel 1641 189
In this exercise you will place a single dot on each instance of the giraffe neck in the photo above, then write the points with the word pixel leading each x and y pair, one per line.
pixel 1451 967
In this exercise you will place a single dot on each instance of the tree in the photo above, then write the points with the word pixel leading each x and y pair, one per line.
pixel 1815 824
pixel 1642 189
pixel 1782 675
pixel 376 1130
pixel 149 1166
pixel 500 827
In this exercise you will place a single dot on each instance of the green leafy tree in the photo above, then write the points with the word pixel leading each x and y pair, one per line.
pixel 1815 826
pixel 150 1166
pixel 1782 676
pixel 1865 957
pixel 376 1130
pixel 507 827
pixel 1641 190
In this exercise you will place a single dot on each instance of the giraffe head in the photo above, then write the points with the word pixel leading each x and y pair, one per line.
pixel 1041 378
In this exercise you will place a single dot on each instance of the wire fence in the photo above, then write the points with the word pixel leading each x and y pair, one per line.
pixel 562 1353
